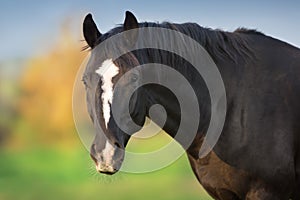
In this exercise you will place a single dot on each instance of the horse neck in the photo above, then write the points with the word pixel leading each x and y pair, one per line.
pixel 157 95
pixel 160 95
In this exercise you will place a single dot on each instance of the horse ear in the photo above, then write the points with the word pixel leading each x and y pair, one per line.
pixel 131 23
pixel 90 31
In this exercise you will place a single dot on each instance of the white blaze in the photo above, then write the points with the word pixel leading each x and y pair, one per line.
pixel 107 71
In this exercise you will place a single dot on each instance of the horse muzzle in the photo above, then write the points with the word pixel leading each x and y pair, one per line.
pixel 108 160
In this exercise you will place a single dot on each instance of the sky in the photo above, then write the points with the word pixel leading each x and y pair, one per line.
pixel 31 27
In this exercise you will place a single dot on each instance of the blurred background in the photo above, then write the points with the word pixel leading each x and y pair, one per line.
pixel 41 155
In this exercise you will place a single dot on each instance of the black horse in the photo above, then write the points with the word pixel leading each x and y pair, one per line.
pixel 258 153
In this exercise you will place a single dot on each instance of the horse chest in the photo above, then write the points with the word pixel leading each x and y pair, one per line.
pixel 219 179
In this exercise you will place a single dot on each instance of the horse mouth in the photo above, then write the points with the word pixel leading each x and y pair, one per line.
pixel 107 172
pixel 104 169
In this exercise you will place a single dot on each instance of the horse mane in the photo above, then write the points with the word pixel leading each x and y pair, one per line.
pixel 248 31
pixel 218 43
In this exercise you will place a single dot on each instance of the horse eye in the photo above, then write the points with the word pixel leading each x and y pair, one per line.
pixel 134 78
pixel 84 82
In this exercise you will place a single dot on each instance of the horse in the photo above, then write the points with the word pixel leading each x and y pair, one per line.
pixel 258 153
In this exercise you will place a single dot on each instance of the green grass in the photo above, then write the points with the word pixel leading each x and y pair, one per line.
pixel 45 173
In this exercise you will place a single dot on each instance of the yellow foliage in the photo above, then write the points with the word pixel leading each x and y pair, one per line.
pixel 47 83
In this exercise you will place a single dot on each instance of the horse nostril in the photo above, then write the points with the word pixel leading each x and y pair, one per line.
pixel 93 151
pixel 94 159
pixel 93 148
pixel 117 145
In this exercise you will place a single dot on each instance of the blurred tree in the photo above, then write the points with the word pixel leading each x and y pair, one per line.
pixel 4 132
pixel 9 95
pixel 47 83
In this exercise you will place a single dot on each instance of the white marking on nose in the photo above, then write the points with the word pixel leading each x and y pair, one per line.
pixel 107 71
pixel 101 168
pixel 108 153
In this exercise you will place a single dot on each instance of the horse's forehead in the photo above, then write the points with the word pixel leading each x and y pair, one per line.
pixel 93 63
pixel 107 69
